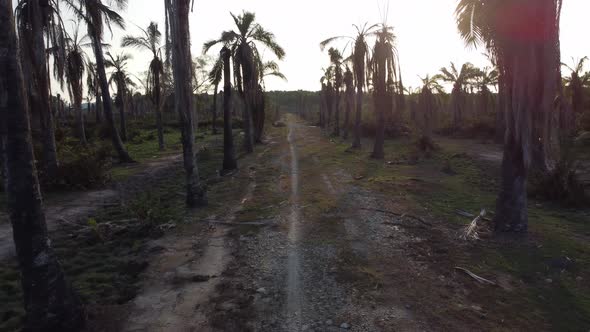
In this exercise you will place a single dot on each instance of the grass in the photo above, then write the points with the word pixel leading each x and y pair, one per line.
pixel 104 263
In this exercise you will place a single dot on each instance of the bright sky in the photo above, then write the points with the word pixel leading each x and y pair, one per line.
pixel 427 35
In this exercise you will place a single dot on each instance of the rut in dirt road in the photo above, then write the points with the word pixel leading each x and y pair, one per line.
pixel 293 282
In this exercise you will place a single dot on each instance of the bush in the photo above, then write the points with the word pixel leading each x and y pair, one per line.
pixel 80 168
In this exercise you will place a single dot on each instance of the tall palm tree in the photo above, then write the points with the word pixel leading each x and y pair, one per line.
pixel 121 78
pixel 229 154
pixel 50 302
pixel 97 17
pixel 460 80
pixel 196 194
pixel 360 60
pixel 93 86
pixel 244 43
pixel 336 61
pixel 39 21
pixel 484 79
pixel 576 83
pixel 427 105
pixel 75 66
pixel 384 74
pixel 215 77
pixel 526 46
pixel 150 41
pixel 348 99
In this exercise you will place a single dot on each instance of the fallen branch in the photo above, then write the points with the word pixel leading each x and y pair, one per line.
pixel 475 276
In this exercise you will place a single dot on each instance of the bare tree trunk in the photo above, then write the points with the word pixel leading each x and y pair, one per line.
pixel 50 302
pixel 106 97
pixel 196 194
pixel 511 205
pixel 349 100
pixel 80 120
pixel 337 113
pixel 122 109
pixel 229 155
pixel 98 107
pixel 214 112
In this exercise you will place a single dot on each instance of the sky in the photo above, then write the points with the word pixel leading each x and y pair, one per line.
pixel 426 31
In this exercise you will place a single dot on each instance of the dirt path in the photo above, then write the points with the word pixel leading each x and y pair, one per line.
pixel 75 207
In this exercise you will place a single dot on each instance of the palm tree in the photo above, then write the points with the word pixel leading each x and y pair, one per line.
pixel 328 87
pixel 122 80
pixel 427 105
pixel 38 21
pixel 215 77
pixel 360 59
pixel 384 74
pixel 485 78
pixel 229 155
pixel 527 51
pixel 576 83
pixel 49 300
pixel 196 194
pixel 150 40
pixel 75 66
pixel 336 61
pixel 348 99
pixel 244 43
pixel 93 86
pixel 97 16
pixel 460 80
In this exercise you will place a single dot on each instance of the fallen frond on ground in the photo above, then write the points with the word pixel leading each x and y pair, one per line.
pixel 471 231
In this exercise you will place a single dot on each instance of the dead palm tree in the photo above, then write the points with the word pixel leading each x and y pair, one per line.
pixel 244 43
pixel 38 21
pixel 150 41
pixel 460 79
pixel 75 66
pixel 384 73
pixel 49 300
pixel 360 59
pixel 527 50
pixel 122 80
pixel 177 14
pixel 97 17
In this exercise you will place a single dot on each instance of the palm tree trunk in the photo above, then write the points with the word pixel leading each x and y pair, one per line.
pixel 122 110
pixel 214 111
pixel 181 60
pixel 158 108
pixel 356 141
pixel 50 301
pixel 106 98
pixel 337 113
pixel 349 96
pixel 247 119
pixel 80 115
pixel 229 155
pixel 98 107
pixel 42 84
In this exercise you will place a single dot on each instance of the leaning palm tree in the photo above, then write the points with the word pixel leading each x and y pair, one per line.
pixel 150 40
pixel 177 14
pixel 360 59
pixel 75 66
pixel 460 79
pixel 97 17
pixel 121 78
pixel 527 50
pixel 244 44
pixel 50 302
pixel 384 73
pixel 37 22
